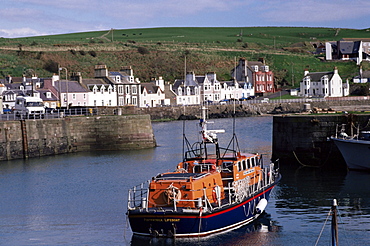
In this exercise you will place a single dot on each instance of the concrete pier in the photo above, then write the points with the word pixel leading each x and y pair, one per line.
pixel 34 138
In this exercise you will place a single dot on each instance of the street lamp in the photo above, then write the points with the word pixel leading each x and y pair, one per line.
pixel 60 69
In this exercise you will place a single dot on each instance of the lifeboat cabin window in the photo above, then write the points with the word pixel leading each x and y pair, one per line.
pixel 253 163
pixel 227 165
pixel 239 166
pixel 249 163
pixel 244 165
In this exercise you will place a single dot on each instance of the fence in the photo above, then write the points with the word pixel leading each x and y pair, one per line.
pixel 89 111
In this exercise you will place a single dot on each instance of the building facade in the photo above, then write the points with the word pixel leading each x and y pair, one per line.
pixel 323 84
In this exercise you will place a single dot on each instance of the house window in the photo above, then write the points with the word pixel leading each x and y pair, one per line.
pixel 94 102
pixel 120 89
pixel 74 96
pixel 84 103
pixel 134 91
pixel 84 95
pixel 121 102
pixel 179 92
pixel 48 94
pixel 102 102
pixel 102 90
pixel 110 103
pixel 134 101
pixel 78 103
pixel 127 89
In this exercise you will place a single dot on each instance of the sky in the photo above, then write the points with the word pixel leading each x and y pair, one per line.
pixel 24 18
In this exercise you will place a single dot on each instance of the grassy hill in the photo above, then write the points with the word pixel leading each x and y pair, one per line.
pixel 157 52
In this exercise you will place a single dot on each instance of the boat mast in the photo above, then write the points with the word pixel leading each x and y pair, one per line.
pixel 209 136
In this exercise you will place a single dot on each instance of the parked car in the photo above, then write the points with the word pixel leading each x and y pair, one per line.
pixel 7 111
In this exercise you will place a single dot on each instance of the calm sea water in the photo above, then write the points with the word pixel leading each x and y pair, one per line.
pixel 80 199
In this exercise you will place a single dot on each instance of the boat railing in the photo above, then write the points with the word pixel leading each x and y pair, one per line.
pixel 138 196
pixel 235 192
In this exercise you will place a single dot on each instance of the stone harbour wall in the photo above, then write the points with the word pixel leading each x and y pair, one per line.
pixel 305 139
pixel 34 138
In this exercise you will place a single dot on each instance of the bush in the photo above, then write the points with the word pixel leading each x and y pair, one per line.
pixel 82 52
pixel 143 50
pixel 51 66
pixel 92 53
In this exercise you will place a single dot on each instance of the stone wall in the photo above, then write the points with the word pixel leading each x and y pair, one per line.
pixel 305 139
pixel 243 109
pixel 33 138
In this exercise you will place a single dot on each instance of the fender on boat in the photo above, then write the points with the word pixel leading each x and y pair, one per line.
pixel 261 206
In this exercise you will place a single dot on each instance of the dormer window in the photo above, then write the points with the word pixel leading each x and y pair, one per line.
pixel 179 92
pixel 48 94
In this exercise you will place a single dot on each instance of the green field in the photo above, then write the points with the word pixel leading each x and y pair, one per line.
pixel 157 52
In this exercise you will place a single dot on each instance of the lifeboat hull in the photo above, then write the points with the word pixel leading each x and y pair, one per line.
pixel 195 222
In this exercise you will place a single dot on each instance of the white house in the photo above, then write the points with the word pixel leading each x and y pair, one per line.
pixel 102 95
pixel 127 88
pixel 188 91
pixel 152 94
pixel 323 84
pixel 210 87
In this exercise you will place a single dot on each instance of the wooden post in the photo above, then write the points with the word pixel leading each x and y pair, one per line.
pixel 334 224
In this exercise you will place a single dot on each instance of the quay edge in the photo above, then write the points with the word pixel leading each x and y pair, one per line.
pixel 304 140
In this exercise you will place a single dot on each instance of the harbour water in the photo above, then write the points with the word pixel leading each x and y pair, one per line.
pixel 81 199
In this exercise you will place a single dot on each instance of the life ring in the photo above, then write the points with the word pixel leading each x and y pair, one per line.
pixel 171 193
pixel 213 168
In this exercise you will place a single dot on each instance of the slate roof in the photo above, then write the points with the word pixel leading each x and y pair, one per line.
pixel 87 82
pixel 150 88
pixel 316 76
pixel 349 47
pixel 43 95
pixel 200 79
pixel 73 86
pixel 123 75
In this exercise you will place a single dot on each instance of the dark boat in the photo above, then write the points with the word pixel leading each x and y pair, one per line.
pixel 213 189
